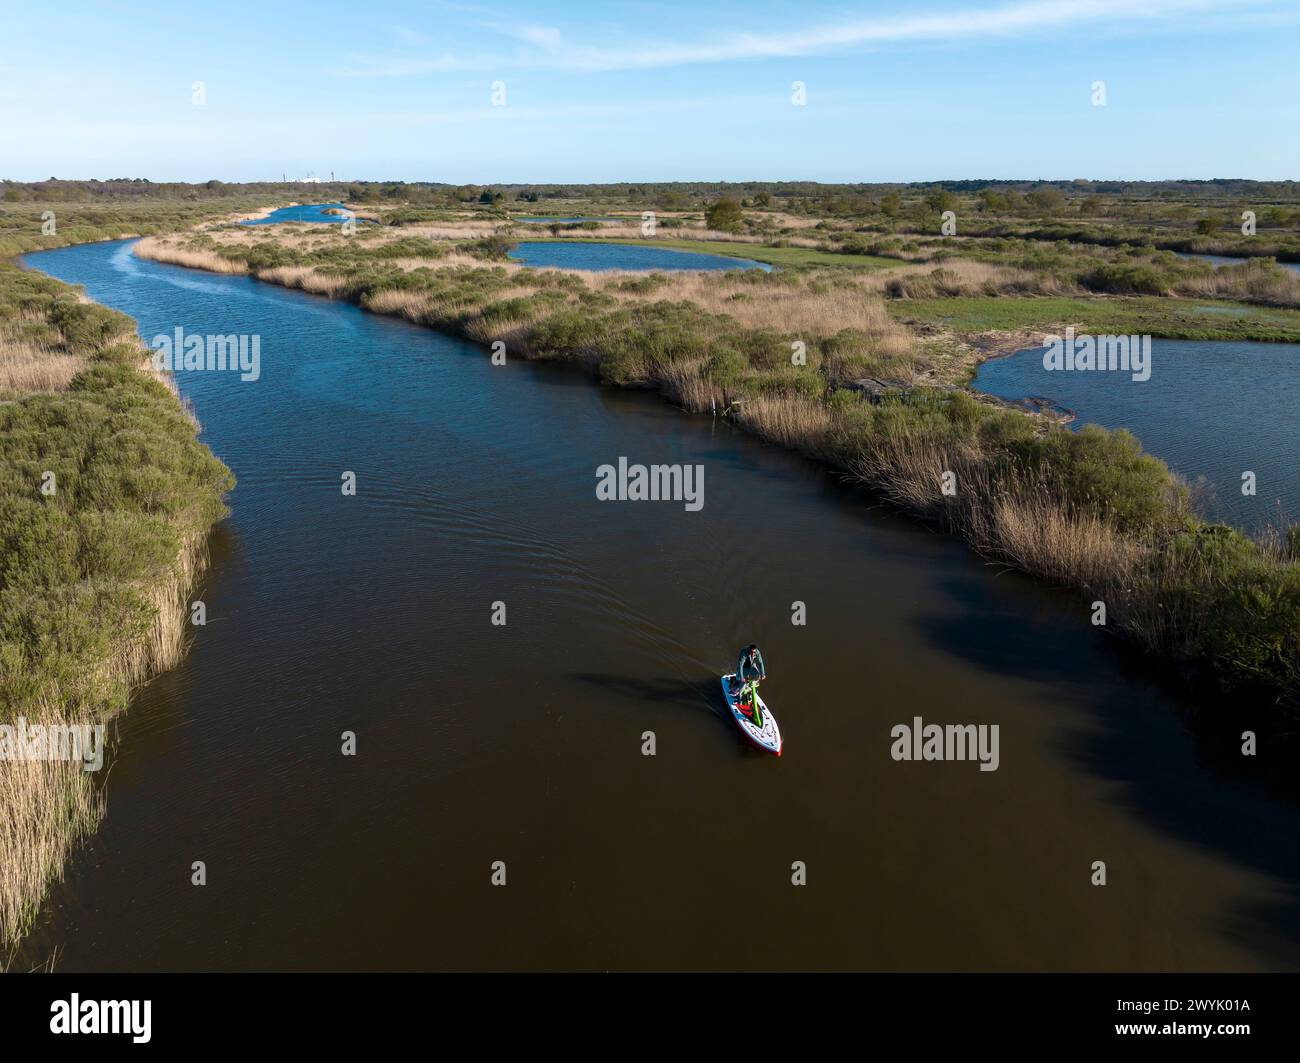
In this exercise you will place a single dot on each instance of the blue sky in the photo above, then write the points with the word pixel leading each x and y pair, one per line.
pixel 895 91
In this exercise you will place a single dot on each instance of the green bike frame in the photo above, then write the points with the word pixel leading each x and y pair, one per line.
pixel 751 688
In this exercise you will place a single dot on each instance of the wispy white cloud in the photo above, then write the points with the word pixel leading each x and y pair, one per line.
pixel 547 37
pixel 1034 16
pixel 546 47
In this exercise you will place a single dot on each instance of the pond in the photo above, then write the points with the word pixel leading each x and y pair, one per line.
pixel 577 254
pixel 1213 410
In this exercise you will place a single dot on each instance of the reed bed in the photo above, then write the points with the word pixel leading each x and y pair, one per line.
pixel 27 368
pixel 1256 281
pixel 161 251
pixel 80 629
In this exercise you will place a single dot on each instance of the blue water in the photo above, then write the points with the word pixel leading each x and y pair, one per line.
pixel 314 212
pixel 1211 410
pixel 577 254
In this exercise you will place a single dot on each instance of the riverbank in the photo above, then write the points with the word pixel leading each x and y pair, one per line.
pixel 786 355
pixel 105 504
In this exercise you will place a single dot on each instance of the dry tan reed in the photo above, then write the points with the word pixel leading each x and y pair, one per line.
pixel 164 251
pixel 28 368
pixel 791 421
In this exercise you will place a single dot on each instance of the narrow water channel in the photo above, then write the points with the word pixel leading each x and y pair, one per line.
pixel 523 743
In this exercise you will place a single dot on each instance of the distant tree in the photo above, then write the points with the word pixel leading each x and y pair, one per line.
pixel 725 215
pixel 1206 226
pixel 940 200
pixel 1047 199
pixel 891 204
pixel 763 199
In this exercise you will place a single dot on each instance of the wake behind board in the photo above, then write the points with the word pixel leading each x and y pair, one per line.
pixel 767 736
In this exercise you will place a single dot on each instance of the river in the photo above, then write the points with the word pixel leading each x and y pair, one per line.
pixel 315 213
pixel 523 743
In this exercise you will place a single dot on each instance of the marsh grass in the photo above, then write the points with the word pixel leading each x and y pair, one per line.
pixel 1133 315
pixel 94 579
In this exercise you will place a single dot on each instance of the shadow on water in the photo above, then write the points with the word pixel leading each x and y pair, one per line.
pixel 691 694
pixel 696 695
pixel 1206 794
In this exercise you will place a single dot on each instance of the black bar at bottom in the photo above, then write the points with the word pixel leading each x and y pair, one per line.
pixel 339 1011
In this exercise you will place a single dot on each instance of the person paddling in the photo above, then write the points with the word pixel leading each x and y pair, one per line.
pixel 750 671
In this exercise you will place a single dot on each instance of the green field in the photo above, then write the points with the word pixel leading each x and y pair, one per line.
pixel 1144 315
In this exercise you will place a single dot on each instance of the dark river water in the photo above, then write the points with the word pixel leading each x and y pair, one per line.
pixel 1212 410
pixel 523 743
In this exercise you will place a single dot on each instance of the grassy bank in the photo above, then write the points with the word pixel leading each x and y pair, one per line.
pixel 96 572
pixel 1147 315
pixel 1083 509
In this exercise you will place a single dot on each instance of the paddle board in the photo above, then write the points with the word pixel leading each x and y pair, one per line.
pixel 766 735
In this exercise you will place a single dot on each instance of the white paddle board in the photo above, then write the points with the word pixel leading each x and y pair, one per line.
pixel 764 732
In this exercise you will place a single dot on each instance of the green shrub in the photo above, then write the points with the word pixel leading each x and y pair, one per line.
pixel 727 368
pixel 133 483
pixel 1118 278
pixel 725 215
pixel 494 248
pixel 1104 473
